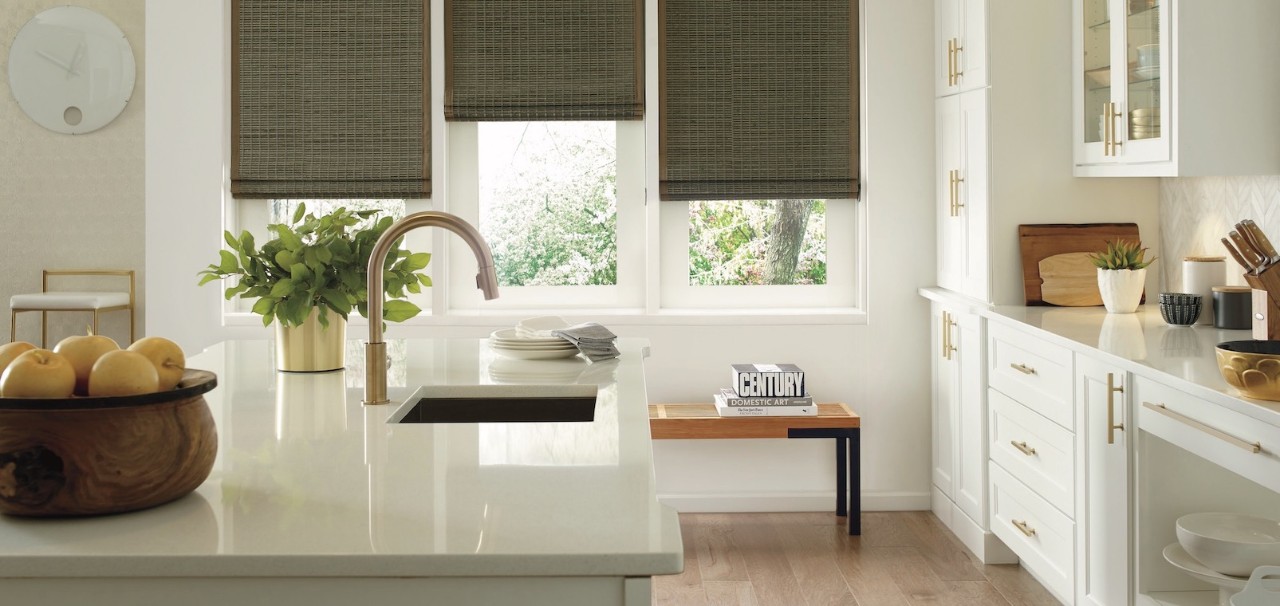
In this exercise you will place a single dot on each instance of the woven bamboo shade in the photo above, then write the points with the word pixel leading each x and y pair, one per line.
pixel 329 99
pixel 759 99
pixel 544 60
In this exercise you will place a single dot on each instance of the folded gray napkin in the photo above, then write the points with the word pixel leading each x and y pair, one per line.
pixel 592 339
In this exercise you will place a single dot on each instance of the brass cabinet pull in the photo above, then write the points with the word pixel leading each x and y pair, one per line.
pixel 1023 368
pixel 945 334
pixel 1254 447
pixel 1026 450
pixel 1112 426
pixel 1114 112
pixel 1107 125
pixel 956 61
pixel 957 180
pixel 948 347
pixel 951 62
pixel 1027 530
pixel 951 193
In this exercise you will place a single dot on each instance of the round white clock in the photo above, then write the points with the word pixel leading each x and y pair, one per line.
pixel 71 70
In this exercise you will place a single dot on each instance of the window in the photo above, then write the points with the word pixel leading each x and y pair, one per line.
pixel 561 205
pixel 571 208
pixel 548 202
pixel 754 242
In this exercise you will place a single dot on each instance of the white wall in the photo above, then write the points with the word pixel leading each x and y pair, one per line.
pixel 880 368
pixel 71 201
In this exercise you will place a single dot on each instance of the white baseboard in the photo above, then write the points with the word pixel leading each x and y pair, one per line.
pixel 983 543
pixel 789 502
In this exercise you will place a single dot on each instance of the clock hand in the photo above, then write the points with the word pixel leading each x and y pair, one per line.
pixel 54 60
pixel 71 69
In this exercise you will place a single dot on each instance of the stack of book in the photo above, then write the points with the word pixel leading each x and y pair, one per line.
pixel 761 390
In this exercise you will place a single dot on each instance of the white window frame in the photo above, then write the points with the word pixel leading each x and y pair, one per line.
pixel 652 239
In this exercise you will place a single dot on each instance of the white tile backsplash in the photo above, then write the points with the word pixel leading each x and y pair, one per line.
pixel 1196 212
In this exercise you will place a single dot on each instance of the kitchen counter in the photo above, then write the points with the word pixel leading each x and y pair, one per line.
pixel 1181 356
pixel 310 483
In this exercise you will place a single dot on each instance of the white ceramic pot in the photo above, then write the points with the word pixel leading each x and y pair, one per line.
pixel 1121 289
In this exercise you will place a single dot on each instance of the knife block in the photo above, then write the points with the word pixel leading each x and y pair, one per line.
pixel 1266 302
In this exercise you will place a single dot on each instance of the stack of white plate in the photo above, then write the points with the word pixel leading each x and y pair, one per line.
pixel 508 343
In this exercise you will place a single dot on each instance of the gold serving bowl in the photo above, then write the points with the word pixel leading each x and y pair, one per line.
pixel 98 455
pixel 1253 367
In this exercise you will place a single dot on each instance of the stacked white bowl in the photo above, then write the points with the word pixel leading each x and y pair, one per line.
pixel 1230 543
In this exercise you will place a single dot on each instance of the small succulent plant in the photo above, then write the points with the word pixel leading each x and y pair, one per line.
pixel 1121 254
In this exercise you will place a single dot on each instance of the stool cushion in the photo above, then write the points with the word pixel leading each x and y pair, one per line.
pixel 69 300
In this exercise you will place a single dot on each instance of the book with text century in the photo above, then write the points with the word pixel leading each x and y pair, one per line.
pixel 768 381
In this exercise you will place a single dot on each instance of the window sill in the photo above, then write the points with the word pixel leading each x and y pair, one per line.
pixel 620 317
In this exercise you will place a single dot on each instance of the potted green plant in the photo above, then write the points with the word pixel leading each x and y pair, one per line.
pixel 311 275
pixel 1122 271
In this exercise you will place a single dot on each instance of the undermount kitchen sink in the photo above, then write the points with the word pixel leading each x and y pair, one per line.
pixel 498 404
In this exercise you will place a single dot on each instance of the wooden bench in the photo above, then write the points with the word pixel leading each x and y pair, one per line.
pixel 838 421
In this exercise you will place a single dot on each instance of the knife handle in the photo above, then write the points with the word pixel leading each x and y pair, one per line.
pixel 1253 259
pixel 1235 254
pixel 1264 244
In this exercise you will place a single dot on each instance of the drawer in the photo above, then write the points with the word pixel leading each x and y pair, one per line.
pixel 1237 442
pixel 1040 534
pixel 1033 449
pixel 1031 371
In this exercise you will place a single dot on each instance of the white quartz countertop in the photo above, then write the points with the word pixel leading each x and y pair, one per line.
pixel 1180 356
pixel 309 482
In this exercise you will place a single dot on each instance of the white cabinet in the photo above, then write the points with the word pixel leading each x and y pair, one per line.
pixel 1174 88
pixel 1003 144
pixel 960 37
pixel 1103 526
pixel 959 463
pixel 963 193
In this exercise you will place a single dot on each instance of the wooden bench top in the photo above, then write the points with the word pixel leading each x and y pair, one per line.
pixel 700 421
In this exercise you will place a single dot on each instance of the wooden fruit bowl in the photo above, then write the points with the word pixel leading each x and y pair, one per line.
pixel 90 456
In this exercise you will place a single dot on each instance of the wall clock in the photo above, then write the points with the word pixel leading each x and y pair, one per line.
pixel 71 70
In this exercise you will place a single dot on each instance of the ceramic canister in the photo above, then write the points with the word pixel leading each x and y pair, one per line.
pixel 1199 276
pixel 1233 307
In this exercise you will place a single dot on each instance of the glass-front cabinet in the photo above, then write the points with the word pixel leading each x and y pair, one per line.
pixel 1123 84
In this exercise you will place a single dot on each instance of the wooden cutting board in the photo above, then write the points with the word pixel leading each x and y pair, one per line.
pixel 1069 280
pixel 1040 242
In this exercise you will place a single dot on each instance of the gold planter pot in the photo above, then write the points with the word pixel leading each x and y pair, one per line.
pixel 312 347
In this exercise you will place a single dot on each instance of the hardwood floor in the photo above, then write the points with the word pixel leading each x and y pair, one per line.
pixel 794 559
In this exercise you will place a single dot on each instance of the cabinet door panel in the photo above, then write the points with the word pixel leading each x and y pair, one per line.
pixel 974 192
pixel 946 30
pixel 1102 499
pixel 971 415
pixel 945 403
pixel 952 230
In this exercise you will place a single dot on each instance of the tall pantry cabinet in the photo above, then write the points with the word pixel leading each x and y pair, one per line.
pixel 1003 157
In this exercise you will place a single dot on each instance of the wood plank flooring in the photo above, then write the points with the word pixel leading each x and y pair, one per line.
pixel 797 559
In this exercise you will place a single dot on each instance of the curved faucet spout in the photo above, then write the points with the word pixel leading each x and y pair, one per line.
pixel 375 361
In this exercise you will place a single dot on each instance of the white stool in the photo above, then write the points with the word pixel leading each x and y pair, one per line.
pixel 96 302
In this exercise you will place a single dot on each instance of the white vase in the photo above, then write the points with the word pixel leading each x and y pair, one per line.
pixel 1121 289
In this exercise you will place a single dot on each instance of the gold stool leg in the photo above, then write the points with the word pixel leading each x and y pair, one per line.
pixel 13 324
pixel 95 321
pixel 44 328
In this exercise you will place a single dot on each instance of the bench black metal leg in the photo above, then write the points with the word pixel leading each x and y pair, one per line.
pixel 855 483
pixel 842 487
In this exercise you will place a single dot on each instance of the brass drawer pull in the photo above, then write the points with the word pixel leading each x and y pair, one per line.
pixel 1023 368
pixel 1254 447
pixel 1112 426
pixel 1026 450
pixel 1027 530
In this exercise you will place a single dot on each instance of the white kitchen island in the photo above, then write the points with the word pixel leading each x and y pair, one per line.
pixel 317 499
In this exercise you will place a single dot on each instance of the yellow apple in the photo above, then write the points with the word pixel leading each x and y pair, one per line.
pixel 122 373
pixel 167 357
pixel 9 351
pixel 38 373
pixel 82 351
